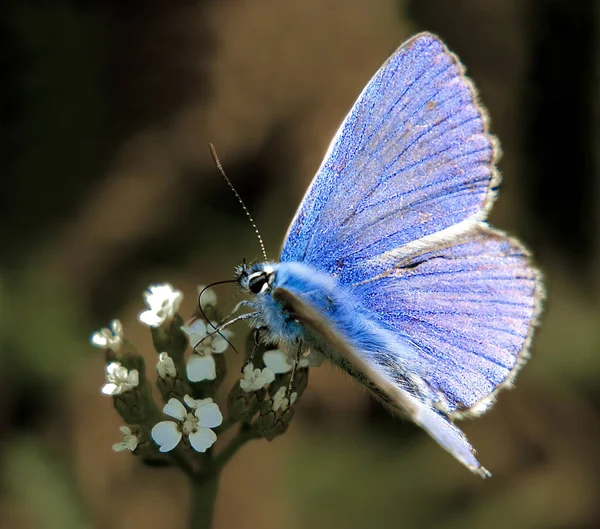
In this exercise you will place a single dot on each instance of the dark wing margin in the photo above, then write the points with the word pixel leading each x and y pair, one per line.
pixel 436 424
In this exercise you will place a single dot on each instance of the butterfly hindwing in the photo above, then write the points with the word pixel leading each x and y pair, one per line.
pixel 412 158
pixel 469 305
pixel 435 423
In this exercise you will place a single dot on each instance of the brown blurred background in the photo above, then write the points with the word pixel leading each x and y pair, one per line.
pixel 108 185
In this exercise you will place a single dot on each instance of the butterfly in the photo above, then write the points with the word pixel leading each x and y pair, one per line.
pixel 389 269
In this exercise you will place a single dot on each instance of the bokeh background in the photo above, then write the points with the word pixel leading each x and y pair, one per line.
pixel 108 185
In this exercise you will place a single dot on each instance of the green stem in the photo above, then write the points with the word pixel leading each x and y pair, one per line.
pixel 202 500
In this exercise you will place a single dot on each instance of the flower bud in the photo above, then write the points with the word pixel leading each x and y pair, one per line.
pixel 276 414
pixel 298 385
pixel 243 405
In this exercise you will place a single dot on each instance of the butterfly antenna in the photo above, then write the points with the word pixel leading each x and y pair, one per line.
pixel 213 153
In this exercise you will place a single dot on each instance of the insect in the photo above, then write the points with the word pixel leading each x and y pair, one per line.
pixel 389 269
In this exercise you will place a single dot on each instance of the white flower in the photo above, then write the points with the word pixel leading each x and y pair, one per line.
pixel 165 366
pixel 279 361
pixel 163 302
pixel 130 440
pixel 111 338
pixel 255 379
pixel 196 425
pixel 119 379
pixel 201 365
pixel 209 297
pixel 281 400
pixel 215 343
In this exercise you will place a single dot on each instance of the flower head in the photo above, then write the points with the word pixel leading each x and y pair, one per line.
pixel 201 365
pixel 165 366
pixel 130 440
pixel 109 338
pixel 281 400
pixel 163 303
pixel 255 379
pixel 195 425
pixel 119 379
pixel 280 362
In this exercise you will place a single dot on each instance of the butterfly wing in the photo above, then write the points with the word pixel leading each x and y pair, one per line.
pixel 396 213
pixel 435 423
pixel 412 158
pixel 469 305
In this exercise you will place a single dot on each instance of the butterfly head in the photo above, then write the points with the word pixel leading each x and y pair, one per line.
pixel 256 279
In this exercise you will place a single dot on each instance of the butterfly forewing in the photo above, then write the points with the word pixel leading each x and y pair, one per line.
pixel 412 158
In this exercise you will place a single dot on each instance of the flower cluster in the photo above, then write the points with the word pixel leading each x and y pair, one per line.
pixel 163 303
pixel 261 400
pixel 111 338
pixel 119 379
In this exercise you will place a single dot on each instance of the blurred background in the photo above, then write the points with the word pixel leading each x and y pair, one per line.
pixel 108 185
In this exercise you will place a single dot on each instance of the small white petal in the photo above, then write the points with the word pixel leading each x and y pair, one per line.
pixel 98 339
pixel 165 366
pixel 248 370
pixel 120 447
pixel 202 439
pixel 112 368
pixel 246 385
pixel 209 298
pixel 117 328
pixel 201 368
pixel 175 409
pixel 166 435
pixel 163 300
pixel 121 373
pixel 209 415
pixel 131 441
pixel 125 430
pixel 150 318
pixel 267 375
pixel 190 402
pixel 279 399
pixel 133 379
pixel 277 361
pixel 219 344
pixel 196 328
pixel 110 389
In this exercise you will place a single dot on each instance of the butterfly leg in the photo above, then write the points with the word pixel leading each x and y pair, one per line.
pixel 256 331
pixel 295 366
pixel 225 325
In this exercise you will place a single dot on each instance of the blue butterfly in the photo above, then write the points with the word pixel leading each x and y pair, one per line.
pixel 389 269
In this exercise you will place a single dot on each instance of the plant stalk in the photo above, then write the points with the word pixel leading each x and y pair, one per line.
pixel 202 500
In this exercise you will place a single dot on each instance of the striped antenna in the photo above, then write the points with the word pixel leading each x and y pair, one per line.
pixel 213 153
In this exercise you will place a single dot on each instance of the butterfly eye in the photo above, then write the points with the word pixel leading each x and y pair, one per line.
pixel 256 282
